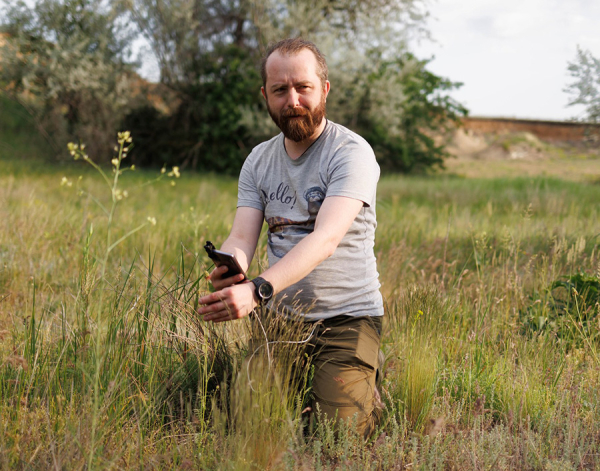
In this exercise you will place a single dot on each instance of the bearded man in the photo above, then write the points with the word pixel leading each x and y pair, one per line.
pixel 315 185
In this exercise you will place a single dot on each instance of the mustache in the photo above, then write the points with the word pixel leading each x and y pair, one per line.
pixel 294 112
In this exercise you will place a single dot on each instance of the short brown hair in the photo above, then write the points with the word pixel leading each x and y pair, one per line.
pixel 294 46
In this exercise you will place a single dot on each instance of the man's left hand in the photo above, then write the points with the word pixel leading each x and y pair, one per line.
pixel 233 302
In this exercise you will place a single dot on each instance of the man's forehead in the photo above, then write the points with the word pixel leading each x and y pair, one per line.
pixel 301 61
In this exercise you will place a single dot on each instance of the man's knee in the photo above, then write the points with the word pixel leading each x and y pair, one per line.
pixel 345 358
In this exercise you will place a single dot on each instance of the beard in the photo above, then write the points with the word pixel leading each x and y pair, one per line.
pixel 298 123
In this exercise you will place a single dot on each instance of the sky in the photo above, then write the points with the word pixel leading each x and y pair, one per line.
pixel 511 55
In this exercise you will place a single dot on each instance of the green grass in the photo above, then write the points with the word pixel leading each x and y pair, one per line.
pixel 116 371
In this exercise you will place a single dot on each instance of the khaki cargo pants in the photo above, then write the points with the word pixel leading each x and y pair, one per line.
pixel 344 353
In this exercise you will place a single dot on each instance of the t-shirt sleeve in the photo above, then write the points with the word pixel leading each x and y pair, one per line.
pixel 248 195
pixel 354 172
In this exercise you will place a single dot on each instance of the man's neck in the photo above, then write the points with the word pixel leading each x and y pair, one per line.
pixel 296 149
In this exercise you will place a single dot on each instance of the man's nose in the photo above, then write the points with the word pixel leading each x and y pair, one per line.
pixel 293 98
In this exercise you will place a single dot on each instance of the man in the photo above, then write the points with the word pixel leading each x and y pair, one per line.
pixel 315 186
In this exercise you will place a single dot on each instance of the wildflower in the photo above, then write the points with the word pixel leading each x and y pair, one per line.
pixel 115 162
pixel 73 149
pixel 152 220
pixel 123 137
pixel 65 181
pixel 172 182
pixel 176 172
pixel 163 170
pixel 125 194
pixel 132 167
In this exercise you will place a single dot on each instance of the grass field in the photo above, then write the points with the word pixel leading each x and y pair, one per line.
pixel 491 329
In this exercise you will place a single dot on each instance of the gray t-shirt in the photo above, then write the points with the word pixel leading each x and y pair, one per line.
pixel 290 193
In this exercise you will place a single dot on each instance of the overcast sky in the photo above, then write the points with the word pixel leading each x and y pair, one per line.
pixel 511 55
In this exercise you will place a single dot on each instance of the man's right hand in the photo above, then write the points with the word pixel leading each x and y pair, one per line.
pixel 219 283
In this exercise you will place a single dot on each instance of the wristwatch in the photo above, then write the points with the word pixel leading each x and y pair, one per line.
pixel 264 290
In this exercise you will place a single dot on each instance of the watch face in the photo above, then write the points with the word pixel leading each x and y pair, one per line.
pixel 265 291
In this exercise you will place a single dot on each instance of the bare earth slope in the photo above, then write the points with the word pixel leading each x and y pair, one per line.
pixel 499 151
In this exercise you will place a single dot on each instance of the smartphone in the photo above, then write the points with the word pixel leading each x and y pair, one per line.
pixel 224 258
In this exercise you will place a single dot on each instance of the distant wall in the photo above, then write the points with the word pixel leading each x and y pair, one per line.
pixel 546 130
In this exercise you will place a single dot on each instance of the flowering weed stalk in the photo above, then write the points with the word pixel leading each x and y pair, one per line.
pixel 118 194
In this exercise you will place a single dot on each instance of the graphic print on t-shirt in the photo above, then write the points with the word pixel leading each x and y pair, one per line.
pixel 280 227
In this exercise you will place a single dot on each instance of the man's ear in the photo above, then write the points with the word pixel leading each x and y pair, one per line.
pixel 326 88
pixel 264 94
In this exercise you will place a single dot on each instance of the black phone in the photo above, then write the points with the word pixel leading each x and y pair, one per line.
pixel 223 258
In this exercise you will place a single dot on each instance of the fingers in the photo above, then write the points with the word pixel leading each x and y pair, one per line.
pixel 218 312
pixel 222 316
pixel 219 283
pixel 227 304
pixel 216 308
pixel 209 299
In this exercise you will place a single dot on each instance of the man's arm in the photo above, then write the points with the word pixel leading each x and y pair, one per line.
pixel 333 221
pixel 241 242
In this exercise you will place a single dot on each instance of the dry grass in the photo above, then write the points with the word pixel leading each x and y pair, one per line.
pixel 115 371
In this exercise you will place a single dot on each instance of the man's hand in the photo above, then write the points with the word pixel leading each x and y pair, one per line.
pixel 219 283
pixel 232 302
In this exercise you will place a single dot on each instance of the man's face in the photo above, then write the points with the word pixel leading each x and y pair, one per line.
pixel 295 95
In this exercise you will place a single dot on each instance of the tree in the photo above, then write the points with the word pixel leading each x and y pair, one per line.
pixel 585 90
pixel 403 110
pixel 378 89
pixel 73 56
pixel 68 62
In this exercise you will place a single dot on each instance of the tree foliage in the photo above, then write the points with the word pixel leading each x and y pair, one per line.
pixel 377 88
pixel 66 61
pixel 585 90
pixel 405 113
pixel 205 131
pixel 208 53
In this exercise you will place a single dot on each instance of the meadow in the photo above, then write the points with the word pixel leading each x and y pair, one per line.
pixel 491 333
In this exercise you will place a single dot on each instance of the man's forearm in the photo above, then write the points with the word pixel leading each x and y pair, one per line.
pixel 244 235
pixel 334 219
pixel 299 261
pixel 241 248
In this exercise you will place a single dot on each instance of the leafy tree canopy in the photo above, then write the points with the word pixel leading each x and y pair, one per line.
pixel 208 53
pixel 585 89
pixel 68 62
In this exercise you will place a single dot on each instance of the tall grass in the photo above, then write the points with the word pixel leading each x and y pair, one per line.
pixel 103 363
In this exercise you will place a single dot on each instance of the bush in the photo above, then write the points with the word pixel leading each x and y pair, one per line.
pixel 569 310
